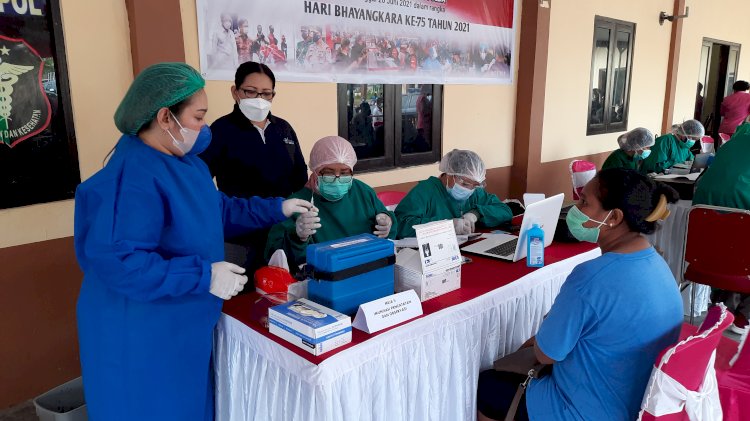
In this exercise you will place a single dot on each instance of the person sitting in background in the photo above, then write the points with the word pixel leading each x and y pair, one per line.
pixel 735 107
pixel 727 183
pixel 613 315
pixel 344 206
pixel 457 194
pixel 671 149
pixel 635 146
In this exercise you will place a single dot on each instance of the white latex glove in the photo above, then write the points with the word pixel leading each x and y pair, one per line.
pixel 307 224
pixel 291 206
pixel 227 280
pixel 462 226
pixel 471 219
pixel 383 224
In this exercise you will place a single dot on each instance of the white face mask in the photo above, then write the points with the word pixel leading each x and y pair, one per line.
pixel 189 136
pixel 255 109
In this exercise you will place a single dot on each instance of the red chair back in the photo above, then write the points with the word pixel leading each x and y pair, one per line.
pixel 687 362
pixel 725 137
pixel 707 144
pixel 391 198
pixel 581 172
pixel 715 249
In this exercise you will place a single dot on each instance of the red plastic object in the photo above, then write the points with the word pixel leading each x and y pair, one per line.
pixel 272 279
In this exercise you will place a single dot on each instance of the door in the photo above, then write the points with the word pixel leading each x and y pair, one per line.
pixel 717 74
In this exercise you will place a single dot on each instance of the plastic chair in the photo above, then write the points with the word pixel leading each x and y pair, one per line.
pixel 725 137
pixel 683 384
pixel 581 172
pixel 391 198
pixel 734 383
pixel 707 144
pixel 713 253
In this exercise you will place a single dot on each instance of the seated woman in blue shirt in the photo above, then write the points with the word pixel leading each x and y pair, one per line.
pixel 613 316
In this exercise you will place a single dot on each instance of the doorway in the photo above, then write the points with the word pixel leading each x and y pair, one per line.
pixel 718 72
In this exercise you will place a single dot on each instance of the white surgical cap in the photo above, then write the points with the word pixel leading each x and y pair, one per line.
pixel 636 139
pixel 326 151
pixel 463 163
pixel 332 150
pixel 693 128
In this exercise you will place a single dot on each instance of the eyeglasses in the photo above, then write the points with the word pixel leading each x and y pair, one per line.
pixel 344 178
pixel 253 93
pixel 469 184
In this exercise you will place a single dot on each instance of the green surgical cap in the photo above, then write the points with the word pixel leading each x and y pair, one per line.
pixel 157 86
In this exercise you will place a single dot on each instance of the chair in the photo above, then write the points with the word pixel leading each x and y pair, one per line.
pixel 725 137
pixel 391 198
pixel 734 383
pixel 713 254
pixel 707 144
pixel 581 172
pixel 683 384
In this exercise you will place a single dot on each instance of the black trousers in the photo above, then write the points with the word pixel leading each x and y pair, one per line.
pixel 495 394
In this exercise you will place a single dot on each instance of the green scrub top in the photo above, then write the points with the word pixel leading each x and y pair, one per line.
pixel 430 201
pixel 727 181
pixel 667 151
pixel 743 128
pixel 620 159
pixel 353 214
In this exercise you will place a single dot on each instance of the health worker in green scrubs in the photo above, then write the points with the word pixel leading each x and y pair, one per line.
pixel 635 146
pixel 343 205
pixel 458 194
pixel 671 149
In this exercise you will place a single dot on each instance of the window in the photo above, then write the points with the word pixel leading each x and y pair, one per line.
pixel 38 155
pixel 391 126
pixel 611 65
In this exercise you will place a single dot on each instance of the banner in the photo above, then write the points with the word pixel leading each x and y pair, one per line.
pixel 361 41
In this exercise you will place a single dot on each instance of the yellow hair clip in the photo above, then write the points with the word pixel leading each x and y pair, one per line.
pixel 661 212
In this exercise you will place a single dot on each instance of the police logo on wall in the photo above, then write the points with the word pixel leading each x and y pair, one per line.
pixel 24 108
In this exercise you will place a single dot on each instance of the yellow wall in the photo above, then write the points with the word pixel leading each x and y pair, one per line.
pixel 480 118
pixel 100 70
pixel 569 73
pixel 724 20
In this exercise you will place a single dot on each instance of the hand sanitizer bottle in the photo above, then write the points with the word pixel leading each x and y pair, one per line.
pixel 535 247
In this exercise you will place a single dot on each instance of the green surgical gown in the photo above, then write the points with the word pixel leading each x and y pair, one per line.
pixel 727 181
pixel 620 159
pixel 430 201
pixel 743 128
pixel 353 214
pixel 667 151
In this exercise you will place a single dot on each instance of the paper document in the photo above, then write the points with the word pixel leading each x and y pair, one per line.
pixel 411 242
pixel 437 246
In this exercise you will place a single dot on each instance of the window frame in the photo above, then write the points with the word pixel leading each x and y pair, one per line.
pixel 392 157
pixel 607 126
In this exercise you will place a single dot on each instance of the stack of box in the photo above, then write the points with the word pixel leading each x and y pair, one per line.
pixel 409 275
pixel 310 326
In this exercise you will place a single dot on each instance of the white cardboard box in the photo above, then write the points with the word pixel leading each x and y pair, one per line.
pixel 409 276
pixel 310 326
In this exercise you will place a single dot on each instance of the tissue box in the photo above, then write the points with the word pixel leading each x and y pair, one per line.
pixel 310 326
pixel 409 276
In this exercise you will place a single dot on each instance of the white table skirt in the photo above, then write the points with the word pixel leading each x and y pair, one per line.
pixel 424 370
pixel 669 240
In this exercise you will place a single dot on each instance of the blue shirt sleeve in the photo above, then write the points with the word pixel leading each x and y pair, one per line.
pixel 241 216
pixel 570 318
pixel 117 239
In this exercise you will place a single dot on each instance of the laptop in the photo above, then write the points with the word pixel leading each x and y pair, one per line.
pixel 700 162
pixel 513 248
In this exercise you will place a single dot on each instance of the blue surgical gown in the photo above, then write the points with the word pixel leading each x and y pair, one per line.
pixel 147 228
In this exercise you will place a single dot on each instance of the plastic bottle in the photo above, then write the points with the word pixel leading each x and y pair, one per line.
pixel 535 247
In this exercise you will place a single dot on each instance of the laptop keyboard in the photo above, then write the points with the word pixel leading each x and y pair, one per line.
pixel 505 249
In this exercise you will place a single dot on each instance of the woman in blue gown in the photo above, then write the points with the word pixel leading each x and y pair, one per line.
pixel 149 237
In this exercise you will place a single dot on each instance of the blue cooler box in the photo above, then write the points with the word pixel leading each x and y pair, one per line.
pixel 350 271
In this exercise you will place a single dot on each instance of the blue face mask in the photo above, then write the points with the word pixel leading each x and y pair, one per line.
pixel 643 155
pixel 689 143
pixel 193 141
pixel 202 141
pixel 459 192
pixel 575 220
pixel 333 190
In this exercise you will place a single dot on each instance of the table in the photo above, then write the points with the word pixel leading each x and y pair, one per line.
pixel 669 241
pixel 426 368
